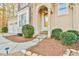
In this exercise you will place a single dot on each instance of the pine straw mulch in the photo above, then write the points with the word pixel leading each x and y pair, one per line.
pixel 19 39
pixel 48 47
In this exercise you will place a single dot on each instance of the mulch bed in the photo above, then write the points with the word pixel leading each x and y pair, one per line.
pixel 19 39
pixel 74 46
pixel 48 47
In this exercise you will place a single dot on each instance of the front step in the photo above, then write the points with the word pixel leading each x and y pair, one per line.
pixel 44 32
pixel 41 36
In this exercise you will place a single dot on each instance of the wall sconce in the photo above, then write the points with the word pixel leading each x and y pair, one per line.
pixel 71 5
pixel 51 12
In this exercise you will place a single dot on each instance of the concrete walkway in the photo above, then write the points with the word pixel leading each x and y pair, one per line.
pixel 14 46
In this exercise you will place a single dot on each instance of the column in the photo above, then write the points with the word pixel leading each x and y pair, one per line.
pixel 36 22
pixel 49 18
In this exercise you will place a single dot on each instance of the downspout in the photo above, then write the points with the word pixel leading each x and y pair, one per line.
pixel 30 19
pixel 72 19
pixel 71 6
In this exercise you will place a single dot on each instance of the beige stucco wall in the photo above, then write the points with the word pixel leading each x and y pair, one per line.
pixel 76 16
pixel 56 21
pixel 61 21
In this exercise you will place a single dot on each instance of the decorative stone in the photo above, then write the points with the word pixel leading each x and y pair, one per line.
pixel 78 51
pixel 74 54
pixel 34 54
pixel 73 50
pixel 67 52
pixel 28 53
pixel 23 51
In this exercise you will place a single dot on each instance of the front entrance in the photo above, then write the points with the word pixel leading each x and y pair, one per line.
pixel 43 12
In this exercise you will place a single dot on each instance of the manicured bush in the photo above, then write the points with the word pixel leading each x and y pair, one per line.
pixel 56 33
pixel 0 29
pixel 76 32
pixel 28 31
pixel 5 29
pixel 68 38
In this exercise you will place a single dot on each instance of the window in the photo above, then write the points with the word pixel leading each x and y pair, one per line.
pixel 62 8
pixel 22 19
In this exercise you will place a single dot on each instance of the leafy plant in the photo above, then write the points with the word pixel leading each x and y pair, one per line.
pixel 5 29
pixel 28 31
pixel 56 33
pixel 68 38
pixel 75 32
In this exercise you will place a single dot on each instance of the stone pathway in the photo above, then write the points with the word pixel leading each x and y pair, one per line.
pixel 13 46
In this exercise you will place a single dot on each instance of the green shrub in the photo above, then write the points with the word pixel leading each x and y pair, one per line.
pixel 56 33
pixel 5 29
pixel 28 31
pixel 76 32
pixel 0 29
pixel 68 38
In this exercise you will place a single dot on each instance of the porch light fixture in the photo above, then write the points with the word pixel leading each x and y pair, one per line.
pixel 71 5
pixel 51 12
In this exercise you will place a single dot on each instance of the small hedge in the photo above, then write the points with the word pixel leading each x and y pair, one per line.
pixel 56 33
pixel 5 29
pixel 28 31
pixel 68 38
pixel 0 29
pixel 76 32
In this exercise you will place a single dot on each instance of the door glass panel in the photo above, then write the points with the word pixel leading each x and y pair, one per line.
pixel 46 21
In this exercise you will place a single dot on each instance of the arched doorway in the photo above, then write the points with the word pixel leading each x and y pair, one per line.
pixel 43 17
